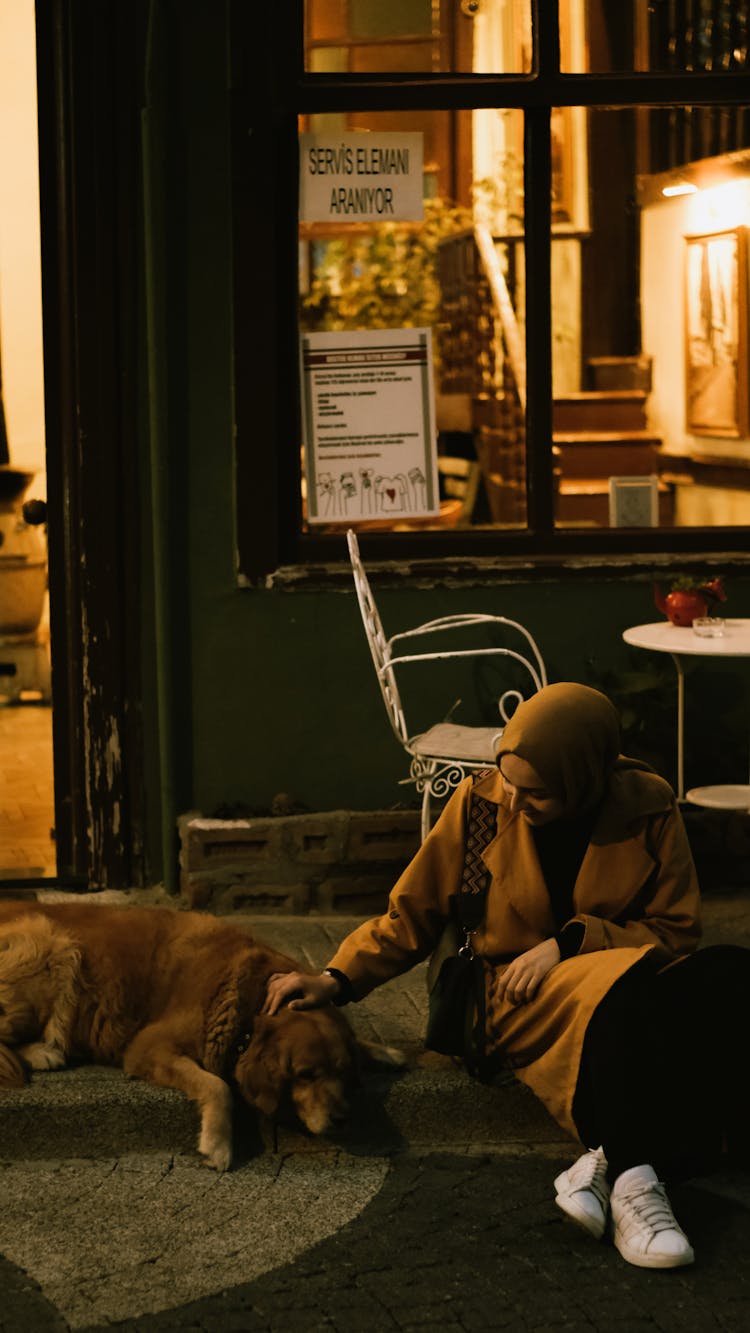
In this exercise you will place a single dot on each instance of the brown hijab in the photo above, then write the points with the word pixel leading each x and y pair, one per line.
pixel 571 735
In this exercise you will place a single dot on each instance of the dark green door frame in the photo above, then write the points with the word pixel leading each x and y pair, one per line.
pixel 89 105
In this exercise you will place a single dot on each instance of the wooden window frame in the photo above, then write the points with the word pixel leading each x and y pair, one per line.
pixel 270 89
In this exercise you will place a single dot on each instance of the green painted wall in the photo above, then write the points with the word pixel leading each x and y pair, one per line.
pixel 274 690
pixel 286 697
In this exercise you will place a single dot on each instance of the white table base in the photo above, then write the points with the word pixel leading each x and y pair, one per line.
pixel 662 637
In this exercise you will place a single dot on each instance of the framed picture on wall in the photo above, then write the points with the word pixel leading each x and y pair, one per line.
pixel 716 335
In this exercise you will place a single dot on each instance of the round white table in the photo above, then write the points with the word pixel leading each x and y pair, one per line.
pixel 664 637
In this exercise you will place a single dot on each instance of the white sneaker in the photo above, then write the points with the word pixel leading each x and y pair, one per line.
pixel 644 1227
pixel 583 1192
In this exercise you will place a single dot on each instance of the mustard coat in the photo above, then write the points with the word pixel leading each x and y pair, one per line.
pixel 636 891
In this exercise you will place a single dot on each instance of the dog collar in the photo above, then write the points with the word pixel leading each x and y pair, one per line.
pixel 238 1048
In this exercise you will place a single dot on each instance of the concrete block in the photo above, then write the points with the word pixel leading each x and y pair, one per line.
pixel 316 839
pixel 208 843
pixel 383 836
pixel 225 893
pixel 261 898
pixel 275 863
pixel 356 895
pixel 197 891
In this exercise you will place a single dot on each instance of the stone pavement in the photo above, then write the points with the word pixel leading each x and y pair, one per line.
pixel 434 1209
pixel 414 1241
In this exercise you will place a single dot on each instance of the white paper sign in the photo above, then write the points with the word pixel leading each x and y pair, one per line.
pixel 369 425
pixel 360 177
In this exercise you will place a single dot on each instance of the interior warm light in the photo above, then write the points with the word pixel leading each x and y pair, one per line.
pixel 683 188
pixel 719 206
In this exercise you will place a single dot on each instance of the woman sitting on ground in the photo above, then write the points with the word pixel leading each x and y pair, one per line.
pixel 595 997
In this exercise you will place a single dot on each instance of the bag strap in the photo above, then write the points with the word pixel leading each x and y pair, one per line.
pixel 475 878
pixel 471 907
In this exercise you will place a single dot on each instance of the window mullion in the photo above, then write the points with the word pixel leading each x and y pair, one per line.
pixel 546 38
pixel 537 210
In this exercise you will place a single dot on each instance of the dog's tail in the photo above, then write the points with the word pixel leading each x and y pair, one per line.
pixel 374 1053
pixel 13 1073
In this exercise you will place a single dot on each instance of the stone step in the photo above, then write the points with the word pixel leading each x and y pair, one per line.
pixel 618 372
pixel 98 1112
pixel 615 409
pixel 94 1112
pixel 605 454
pixel 585 500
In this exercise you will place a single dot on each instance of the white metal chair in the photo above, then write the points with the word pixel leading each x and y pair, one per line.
pixel 443 755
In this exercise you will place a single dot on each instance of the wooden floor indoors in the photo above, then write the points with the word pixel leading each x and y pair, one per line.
pixel 27 812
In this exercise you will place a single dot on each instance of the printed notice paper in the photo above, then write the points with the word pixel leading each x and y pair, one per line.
pixel 360 177
pixel 369 425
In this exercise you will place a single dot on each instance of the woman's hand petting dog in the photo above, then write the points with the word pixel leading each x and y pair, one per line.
pixel 299 990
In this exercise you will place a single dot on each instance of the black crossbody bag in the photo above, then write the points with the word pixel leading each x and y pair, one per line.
pixel 456 976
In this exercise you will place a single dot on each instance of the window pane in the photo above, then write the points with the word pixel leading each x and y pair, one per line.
pixel 380 19
pixel 650 322
pixel 406 58
pixel 678 35
pixel 457 272
pixel 499 40
pixel 326 20
pixel 421 36
pixel 329 60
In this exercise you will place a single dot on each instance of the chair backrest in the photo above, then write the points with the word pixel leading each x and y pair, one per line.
pixel 377 642
pixel 459 480
pixel 385 652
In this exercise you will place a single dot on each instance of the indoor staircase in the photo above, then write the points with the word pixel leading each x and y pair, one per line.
pixel 601 433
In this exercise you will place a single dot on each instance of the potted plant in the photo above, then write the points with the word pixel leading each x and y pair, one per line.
pixel 689 598
pixel 382 276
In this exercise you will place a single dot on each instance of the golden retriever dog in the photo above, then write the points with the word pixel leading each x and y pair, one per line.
pixel 174 998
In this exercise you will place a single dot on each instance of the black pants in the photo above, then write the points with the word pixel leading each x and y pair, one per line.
pixel 665 1071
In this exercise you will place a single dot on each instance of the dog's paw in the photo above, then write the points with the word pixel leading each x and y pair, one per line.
pixel 40 1056
pixel 215 1142
pixel 217 1151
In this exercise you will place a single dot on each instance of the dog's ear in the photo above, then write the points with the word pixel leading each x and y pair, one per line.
pixel 29 944
pixel 258 1072
pixel 12 1072
pixel 19 951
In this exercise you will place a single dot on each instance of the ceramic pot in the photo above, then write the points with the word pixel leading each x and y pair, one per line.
pixel 681 607
pixel 23 560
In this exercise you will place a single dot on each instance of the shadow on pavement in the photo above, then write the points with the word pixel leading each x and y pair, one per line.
pixel 476 1242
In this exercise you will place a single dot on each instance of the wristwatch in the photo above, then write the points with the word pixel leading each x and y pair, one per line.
pixel 344 993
